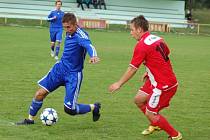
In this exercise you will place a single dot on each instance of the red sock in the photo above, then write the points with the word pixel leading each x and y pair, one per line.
pixel 165 125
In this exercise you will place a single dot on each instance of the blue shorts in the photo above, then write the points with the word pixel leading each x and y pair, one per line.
pixel 56 35
pixel 57 77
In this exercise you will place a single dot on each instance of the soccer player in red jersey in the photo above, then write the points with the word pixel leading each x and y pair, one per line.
pixel 160 81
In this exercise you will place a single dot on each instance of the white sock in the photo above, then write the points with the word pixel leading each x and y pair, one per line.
pixel 92 106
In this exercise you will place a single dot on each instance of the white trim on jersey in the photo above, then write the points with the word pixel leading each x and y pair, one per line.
pixel 133 66
pixel 151 111
pixel 42 79
pixel 77 90
pixel 151 77
pixel 94 50
pixel 154 83
pixel 83 35
pixel 144 92
pixel 151 39
pixel 67 106
pixel 43 87
pixel 49 19
pixel 171 87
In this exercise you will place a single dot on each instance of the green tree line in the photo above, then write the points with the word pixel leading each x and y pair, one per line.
pixel 197 4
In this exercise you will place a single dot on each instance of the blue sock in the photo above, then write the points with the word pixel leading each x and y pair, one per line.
pixel 35 106
pixel 83 108
pixel 57 50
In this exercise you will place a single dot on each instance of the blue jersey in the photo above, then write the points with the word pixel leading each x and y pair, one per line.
pixel 75 48
pixel 57 22
pixel 68 72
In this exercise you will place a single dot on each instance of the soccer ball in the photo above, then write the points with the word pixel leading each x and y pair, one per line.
pixel 49 116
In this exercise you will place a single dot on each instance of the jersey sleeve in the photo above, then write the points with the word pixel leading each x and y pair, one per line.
pixel 138 57
pixel 50 16
pixel 86 43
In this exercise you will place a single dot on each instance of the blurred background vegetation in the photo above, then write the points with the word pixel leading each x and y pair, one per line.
pixel 200 10
pixel 197 4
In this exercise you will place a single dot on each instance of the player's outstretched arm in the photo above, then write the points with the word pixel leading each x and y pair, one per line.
pixel 114 87
pixel 92 52
pixel 126 76
pixel 52 18
pixel 86 43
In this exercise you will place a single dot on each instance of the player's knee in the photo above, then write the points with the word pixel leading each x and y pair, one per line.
pixel 136 101
pixel 70 111
pixel 140 99
pixel 40 94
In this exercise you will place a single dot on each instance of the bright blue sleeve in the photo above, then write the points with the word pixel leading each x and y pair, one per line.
pixel 50 16
pixel 86 43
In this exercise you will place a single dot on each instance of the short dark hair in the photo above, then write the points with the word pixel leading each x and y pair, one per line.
pixel 58 1
pixel 140 21
pixel 69 17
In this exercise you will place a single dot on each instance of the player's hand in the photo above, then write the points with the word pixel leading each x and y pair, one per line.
pixel 114 87
pixel 94 60
pixel 144 77
pixel 54 17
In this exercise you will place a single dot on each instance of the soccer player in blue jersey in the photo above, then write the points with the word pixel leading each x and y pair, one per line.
pixel 67 72
pixel 56 28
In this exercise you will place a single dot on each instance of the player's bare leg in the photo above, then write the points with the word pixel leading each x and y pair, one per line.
pixel 140 100
pixel 35 106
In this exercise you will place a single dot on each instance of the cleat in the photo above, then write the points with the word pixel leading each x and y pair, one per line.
pixel 150 130
pixel 25 122
pixel 56 58
pixel 52 53
pixel 179 137
pixel 96 112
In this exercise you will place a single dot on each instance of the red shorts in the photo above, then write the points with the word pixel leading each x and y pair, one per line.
pixel 157 99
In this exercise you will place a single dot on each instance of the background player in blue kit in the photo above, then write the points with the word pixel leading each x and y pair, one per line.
pixel 56 28
pixel 67 72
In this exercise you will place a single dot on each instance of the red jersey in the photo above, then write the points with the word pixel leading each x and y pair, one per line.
pixel 153 52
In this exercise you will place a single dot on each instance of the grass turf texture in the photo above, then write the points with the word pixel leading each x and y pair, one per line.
pixel 25 58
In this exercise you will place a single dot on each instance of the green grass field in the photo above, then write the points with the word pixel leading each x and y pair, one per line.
pixel 24 59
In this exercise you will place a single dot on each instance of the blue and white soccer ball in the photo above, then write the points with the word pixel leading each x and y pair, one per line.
pixel 49 116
